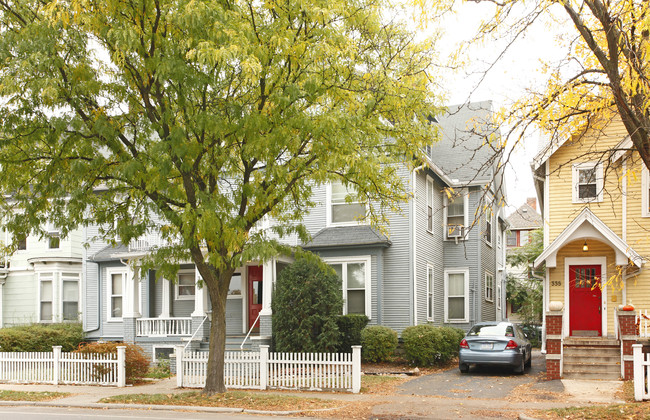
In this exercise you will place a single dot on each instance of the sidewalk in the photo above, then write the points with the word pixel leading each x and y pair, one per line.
pixel 570 392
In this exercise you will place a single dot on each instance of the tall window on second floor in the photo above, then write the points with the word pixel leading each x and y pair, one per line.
pixel 344 205
pixel 455 215
pixel 429 204
pixel 587 182
pixel 488 226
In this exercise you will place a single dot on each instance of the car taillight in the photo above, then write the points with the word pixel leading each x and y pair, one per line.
pixel 463 344
pixel 511 345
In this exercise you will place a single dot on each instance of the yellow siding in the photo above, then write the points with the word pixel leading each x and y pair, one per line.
pixel 612 282
pixel 620 178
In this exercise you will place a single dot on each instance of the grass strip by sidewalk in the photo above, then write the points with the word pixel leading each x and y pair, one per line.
pixel 31 396
pixel 605 412
pixel 234 399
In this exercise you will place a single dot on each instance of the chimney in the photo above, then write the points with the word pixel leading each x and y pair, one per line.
pixel 532 201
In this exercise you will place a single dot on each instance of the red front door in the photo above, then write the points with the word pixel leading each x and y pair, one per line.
pixel 584 300
pixel 254 295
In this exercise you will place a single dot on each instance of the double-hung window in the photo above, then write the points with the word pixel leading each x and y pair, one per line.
pixel 587 182
pixel 498 296
pixel 645 192
pixel 354 273
pixel 430 288
pixel 489 287
pixel 46 296
pixel 429 204
pixel 488 226
pixel 53 236
pixel 455 214
pixel 344 205
pixel 186 285
pixel 457 295
pixel 70 296
pixel 116 283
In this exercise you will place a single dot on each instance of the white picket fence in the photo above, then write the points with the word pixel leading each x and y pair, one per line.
pixel 265 370
pixel 643 321
pixel 57 367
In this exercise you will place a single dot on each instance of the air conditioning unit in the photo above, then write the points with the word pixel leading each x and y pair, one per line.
pixel 455 231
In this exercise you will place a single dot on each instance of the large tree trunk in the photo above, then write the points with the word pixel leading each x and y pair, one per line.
pixel 217 283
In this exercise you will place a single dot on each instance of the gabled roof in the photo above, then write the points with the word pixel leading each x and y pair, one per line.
pixel 347 236
pixel 525 218
pixel 588 226
pixel 546 152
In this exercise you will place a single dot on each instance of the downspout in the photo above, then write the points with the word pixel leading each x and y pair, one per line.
pixel 545 285
pixel 624 227
pixel 414 294
pixel 480 274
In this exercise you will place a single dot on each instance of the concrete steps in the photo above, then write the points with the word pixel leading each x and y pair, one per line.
pixel 591 358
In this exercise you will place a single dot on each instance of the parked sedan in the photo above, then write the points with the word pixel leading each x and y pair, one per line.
pixel 495 343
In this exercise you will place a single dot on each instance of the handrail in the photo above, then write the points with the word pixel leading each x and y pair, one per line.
pixel 249 331
pixel 197 330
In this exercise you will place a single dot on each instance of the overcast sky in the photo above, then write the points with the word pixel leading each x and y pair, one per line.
pixel 517 71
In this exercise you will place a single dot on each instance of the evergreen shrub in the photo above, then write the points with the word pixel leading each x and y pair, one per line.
pixel 306 303
pixel 378 343
pixel 427 345
pixel 41 337
pixel 350 327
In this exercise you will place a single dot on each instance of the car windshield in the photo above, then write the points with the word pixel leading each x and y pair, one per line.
pixel 500 329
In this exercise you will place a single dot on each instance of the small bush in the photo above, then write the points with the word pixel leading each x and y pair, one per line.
pixel 137 364
pixel 350 327
pixel 41 337
pixel 378 343
pixel 426 345
pixel 160 370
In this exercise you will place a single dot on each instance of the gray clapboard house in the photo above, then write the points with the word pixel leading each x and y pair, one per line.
pixel 439 260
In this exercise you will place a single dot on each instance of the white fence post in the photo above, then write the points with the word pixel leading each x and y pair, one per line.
pixel 121 366
pixel 56 350
pixel 179 365
pixel 356 369
pixel 264 366
pixel 639 372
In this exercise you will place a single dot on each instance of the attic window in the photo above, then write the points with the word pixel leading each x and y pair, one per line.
pixel 587 182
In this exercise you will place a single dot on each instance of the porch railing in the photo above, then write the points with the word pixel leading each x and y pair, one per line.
pixel 163 327
pixel 148 241
pixel 643 323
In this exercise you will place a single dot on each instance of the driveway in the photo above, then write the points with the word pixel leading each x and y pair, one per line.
pixel 482 382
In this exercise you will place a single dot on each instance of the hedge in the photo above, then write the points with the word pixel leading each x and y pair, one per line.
pixel 137 364
pixel 41 337
pixel 378 343
pixel 427 345
pixel 350 327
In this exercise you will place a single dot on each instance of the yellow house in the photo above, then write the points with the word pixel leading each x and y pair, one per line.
pixel 595 198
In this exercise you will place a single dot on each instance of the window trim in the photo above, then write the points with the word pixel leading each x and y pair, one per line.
pixel 430 279
pixel 51 277
pixel 489 298
pixel 498 296
pixel 77 280
pixel 109 295
pixel 489 226
pixel 599 181
pixel 329 221
pixel 154 347
pixel 465 272
pixel 445 230
pixel 645 194
pixel 367 259
pixel 177 295
pixel 429 204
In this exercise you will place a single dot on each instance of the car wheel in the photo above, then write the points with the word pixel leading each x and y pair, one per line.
pixel 522 365
pixel 464 367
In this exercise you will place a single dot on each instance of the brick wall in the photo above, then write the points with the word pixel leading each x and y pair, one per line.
pixel 627 323
pixel 553 344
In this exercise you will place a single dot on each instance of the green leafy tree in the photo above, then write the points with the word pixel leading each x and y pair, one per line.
pixel 196 119
pixel 306 304
pixel 525 291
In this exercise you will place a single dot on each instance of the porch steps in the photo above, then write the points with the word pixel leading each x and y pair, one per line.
pixel 591 358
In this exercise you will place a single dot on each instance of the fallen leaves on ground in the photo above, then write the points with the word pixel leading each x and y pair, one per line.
pixel 31 396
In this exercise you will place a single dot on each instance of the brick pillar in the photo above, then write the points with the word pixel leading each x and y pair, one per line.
pixel 553 344
pixel 627 323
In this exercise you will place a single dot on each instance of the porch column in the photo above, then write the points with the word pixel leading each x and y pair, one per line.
pixel 627 324
pixel 554 344
pixel 164 308
pixel 268 274
pixel 131 301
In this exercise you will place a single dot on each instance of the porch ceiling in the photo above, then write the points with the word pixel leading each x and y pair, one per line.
pixel 588 226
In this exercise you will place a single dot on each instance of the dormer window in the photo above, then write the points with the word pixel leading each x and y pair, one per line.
pixel 587 182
